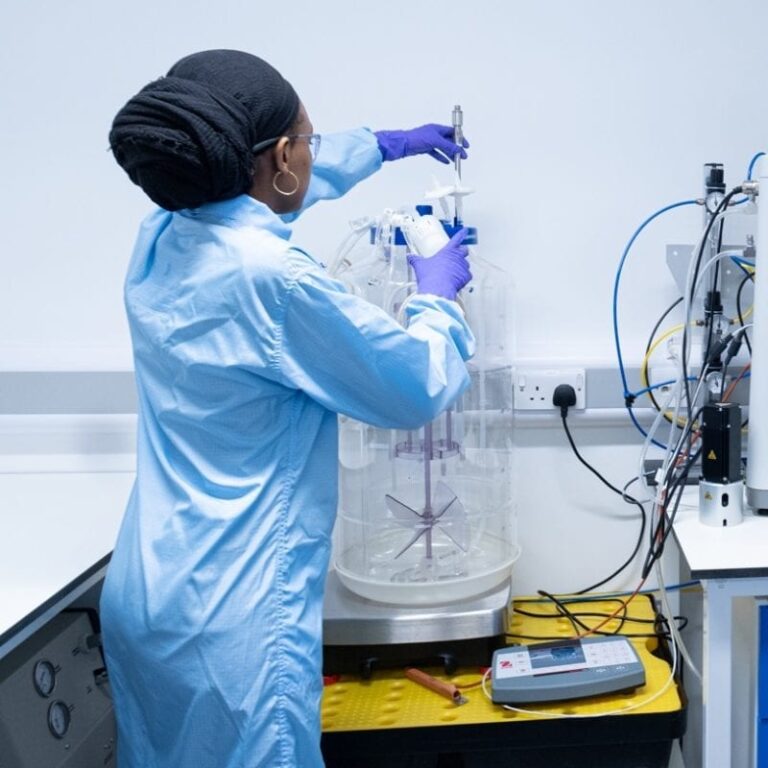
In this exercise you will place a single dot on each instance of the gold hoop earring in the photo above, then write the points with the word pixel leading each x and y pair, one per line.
pixel 282 191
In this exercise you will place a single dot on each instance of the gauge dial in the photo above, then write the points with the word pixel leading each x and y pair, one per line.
pixel 58 719
pixel 44 676
pixel 713 201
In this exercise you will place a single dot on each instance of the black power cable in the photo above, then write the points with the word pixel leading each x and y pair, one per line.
pixel 732 349
pixel 621 616
pixel 666 518
pixel 564 397
pixel 713 297
pixel 575 619
pixel 724 203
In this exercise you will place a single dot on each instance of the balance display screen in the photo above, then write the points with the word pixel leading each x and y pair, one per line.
pixel 557 658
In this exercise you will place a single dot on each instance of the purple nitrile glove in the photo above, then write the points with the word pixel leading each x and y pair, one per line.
pixel 445 273
pixel 431 139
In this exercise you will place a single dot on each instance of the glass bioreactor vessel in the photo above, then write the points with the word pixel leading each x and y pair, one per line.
pixel 426 515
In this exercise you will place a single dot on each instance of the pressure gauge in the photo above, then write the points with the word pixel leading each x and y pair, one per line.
pixel 58 719
pixel 713 201
pixel 44 677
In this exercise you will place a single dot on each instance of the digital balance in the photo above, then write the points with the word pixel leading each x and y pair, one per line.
pixel 565 669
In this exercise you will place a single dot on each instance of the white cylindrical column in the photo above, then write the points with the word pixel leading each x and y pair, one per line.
pixel 720 505
pixel 757 456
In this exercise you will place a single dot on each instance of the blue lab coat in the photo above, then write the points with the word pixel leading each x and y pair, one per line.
pixel 245 351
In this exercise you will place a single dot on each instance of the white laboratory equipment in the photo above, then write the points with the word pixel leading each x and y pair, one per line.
pixel 757 464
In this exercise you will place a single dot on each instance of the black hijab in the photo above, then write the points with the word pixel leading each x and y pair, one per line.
pixel 186 138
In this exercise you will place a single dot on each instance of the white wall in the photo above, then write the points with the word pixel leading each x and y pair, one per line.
pixel 584 116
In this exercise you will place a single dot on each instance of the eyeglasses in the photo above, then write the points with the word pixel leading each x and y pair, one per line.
pixel 313 140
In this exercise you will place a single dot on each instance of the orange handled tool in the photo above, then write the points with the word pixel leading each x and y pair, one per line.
pixel 448 690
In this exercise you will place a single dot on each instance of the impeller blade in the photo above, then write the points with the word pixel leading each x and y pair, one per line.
pixel 446 501
pixel 401 512
pixel 451 517
pixel 463 547
pixel 419 533
pixel 446 507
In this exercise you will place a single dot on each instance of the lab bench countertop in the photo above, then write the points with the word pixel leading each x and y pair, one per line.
pixel 737 551
pixel 58 529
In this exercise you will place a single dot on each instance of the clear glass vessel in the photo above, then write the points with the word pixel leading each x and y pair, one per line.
pixel 426 516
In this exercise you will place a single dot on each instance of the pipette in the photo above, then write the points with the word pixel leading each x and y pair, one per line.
pixel 458 138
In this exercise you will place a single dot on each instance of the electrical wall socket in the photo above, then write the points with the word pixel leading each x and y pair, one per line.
pixel 534 387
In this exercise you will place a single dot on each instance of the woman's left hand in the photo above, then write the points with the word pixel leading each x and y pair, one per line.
pixel 431 139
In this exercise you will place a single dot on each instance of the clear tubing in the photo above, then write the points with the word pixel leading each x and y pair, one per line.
pixel 673 629
pixel 349 242
pixel 719 257
pixel 674 394
pixel 653 492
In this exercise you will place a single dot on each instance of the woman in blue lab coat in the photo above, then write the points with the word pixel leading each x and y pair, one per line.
pixel 245 351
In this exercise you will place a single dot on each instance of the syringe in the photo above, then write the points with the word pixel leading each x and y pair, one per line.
pixel 458 138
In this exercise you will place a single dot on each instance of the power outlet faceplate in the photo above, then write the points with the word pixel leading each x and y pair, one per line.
pixel 534 387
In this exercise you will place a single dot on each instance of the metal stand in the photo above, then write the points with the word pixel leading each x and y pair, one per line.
pixel 360 635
